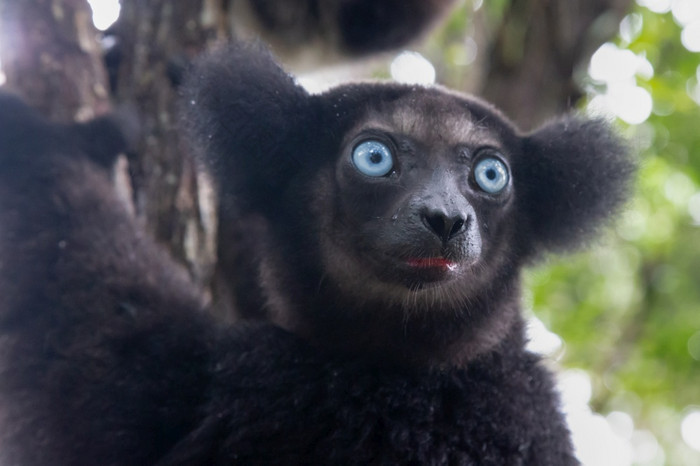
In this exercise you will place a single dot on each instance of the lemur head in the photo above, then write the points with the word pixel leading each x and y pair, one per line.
pixel 423 191
pixel 395 207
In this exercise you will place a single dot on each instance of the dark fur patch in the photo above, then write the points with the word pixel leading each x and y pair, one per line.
pixel 355 27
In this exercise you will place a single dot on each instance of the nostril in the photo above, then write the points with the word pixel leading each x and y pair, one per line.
pixel 436 223
pixel 444 226
pixel 457 225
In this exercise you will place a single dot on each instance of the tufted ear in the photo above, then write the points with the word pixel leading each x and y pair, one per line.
pixel 574 174
pixel 247 117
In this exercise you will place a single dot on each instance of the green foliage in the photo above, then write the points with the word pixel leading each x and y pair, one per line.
pixel 629 311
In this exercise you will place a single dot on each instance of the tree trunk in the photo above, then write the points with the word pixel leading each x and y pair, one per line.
pixel 51 57
pixel 156 41
pixel 537 54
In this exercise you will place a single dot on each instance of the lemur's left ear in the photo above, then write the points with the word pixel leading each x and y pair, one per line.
pixel 574 174
pixel 249 118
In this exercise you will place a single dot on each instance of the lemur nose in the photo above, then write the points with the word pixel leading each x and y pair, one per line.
pixel 445 226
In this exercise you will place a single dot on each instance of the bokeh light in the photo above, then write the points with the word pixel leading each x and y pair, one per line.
pixel 690 429
pixel 690 36
pixel 657 6
pixel 104 12
pixel 412 68
pixel 540 339
pixel 617 69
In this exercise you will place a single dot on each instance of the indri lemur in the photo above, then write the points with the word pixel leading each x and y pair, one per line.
pixel 383 230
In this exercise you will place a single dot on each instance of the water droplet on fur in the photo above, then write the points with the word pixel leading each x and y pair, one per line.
pixel 193 102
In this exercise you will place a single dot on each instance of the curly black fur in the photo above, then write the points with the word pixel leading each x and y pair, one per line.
pixel 107 355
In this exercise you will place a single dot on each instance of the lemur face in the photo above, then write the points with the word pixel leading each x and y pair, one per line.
pixel 394 220
pixel 422 188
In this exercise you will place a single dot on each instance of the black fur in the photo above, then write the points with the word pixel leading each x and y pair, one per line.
pixel 287 403
pixel 371 26
pixel 107 357
pixel 352 27
pixel 91 310
pixel 577 181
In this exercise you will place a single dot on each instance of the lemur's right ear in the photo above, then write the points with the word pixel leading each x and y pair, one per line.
pixel 246 116
pixel 575 174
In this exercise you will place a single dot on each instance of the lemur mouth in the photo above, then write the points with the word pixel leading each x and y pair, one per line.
pixel 416 272
pixel 439 263
pixel 424 271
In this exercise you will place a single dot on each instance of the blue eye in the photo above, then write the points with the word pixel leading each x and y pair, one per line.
pixel 372 158
pixel 491 175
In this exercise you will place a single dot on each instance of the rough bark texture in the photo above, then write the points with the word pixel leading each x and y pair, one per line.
pixel 157 38
pixel 536 52
pixel 51 57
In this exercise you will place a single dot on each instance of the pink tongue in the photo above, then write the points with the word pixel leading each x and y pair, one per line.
pixel 429 262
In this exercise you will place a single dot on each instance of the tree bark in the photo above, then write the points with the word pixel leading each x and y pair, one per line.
pixel 51 57
pixel 157 39
pixel 538 51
